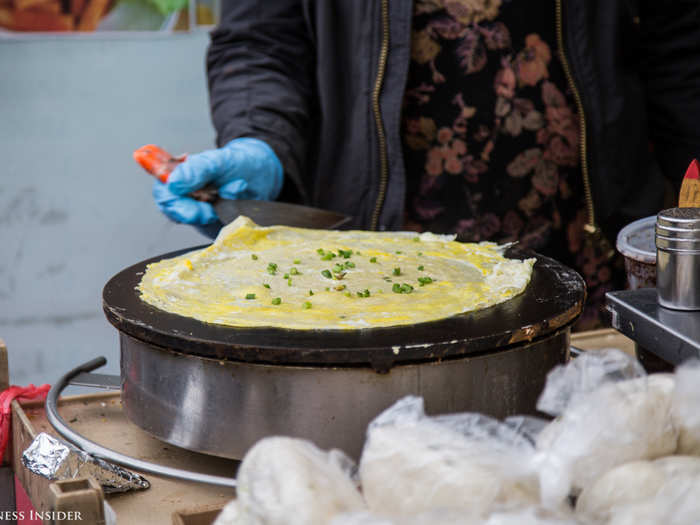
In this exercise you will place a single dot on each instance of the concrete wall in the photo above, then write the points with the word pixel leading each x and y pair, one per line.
pixel 74 207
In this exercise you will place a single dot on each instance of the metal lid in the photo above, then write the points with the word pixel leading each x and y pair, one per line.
pixel 677 233
pixel 681 218
pixel 678 229
pixel 678 245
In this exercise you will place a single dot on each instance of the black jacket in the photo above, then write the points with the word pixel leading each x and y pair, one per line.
pixel 322 82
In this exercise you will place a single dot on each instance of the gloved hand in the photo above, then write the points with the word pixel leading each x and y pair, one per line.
pixel 245 168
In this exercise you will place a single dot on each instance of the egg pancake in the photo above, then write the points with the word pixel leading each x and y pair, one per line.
pixel 307 279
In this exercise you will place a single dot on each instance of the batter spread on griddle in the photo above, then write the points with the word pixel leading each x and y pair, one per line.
pixel 319 279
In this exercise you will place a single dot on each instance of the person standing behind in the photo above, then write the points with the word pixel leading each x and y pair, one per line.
pixel 551 122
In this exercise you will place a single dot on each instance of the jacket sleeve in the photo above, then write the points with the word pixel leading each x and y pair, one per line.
pixel 260 66
pixel 670 32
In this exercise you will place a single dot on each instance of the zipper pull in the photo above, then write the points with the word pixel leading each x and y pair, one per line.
pixel 596 237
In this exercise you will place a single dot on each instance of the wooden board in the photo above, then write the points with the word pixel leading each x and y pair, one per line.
pixel 600 339
pixel 4 367
pixel 7 490
pixel 99 417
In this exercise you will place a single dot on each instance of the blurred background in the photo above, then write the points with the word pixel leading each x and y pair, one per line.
pixel 84 83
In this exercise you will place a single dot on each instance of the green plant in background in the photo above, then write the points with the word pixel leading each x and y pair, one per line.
pixel 168 6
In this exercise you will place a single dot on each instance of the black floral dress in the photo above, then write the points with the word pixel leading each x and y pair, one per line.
pixel 491 136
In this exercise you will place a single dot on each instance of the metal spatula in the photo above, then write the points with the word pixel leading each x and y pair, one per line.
pixel 160 163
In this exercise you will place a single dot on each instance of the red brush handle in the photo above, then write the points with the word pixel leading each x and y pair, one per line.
pixel 156 161
pixel 159 163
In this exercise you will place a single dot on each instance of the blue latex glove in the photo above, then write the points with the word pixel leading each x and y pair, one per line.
pixel 245 168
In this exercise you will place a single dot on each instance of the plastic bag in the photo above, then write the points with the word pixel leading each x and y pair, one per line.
pixel 686 407
pixel 532 516
pixel 634 484
pixel 583 375
pixel 292 482
pixel 431 517
pixel 412 463
pixel 606 419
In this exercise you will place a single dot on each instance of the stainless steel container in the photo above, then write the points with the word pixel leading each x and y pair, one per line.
pixel 678 258
pixel 223 407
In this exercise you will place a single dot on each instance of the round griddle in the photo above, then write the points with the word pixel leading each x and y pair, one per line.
pixel 552 301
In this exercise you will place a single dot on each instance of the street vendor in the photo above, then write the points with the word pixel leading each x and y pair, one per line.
pixel 553 123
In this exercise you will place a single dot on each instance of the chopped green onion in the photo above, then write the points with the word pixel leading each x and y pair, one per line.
pixel 416 239
pixel 425 280
pixel 294 271
pixel 420 253
pixel 326 274
pixel 276 300
pixel 406 288
pixel 345 254
pixel 306 305
pixel 348 294
pixel 338 268
pixel 311 292
pixel 254 257
pixel 373 259
pixel 399 252
pixel 421 268
pixel 349 264
pixel 364 293
pixel 320 251
pixel 289 282
pixel 327 256
pixel 266 286
pixel 272 268
pixel 328 288
pixel 297 261
pixel 250 296
pixel 286 276
pixel 397 271
pixel 396 288
pixel 387 278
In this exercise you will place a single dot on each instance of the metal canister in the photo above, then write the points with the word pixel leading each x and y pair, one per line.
pixel 678 258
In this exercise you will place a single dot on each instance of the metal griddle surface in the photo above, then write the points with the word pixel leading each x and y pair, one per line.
pixel 553 299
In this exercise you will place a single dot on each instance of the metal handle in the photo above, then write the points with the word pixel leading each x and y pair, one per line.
pixel 58 423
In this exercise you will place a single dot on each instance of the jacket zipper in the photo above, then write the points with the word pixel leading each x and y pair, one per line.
pixel 591 228
pixel 381 136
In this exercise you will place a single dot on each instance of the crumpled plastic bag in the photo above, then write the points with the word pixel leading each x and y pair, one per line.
pixel 581 376
pixel 289 481
pixel 686 407
pixel 412 463
pixel 532 516
pixel 637 483
pixel 608 414
pixel 431 517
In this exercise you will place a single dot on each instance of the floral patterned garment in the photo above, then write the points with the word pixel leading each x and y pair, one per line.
pixel 491 136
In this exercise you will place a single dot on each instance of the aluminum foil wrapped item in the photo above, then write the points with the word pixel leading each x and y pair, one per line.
pixel 412 463
pixel 609 413
pixel 55 459
pixel 686 400
pixel 645 492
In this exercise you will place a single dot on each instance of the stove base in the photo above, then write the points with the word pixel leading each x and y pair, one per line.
pixel 223 407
